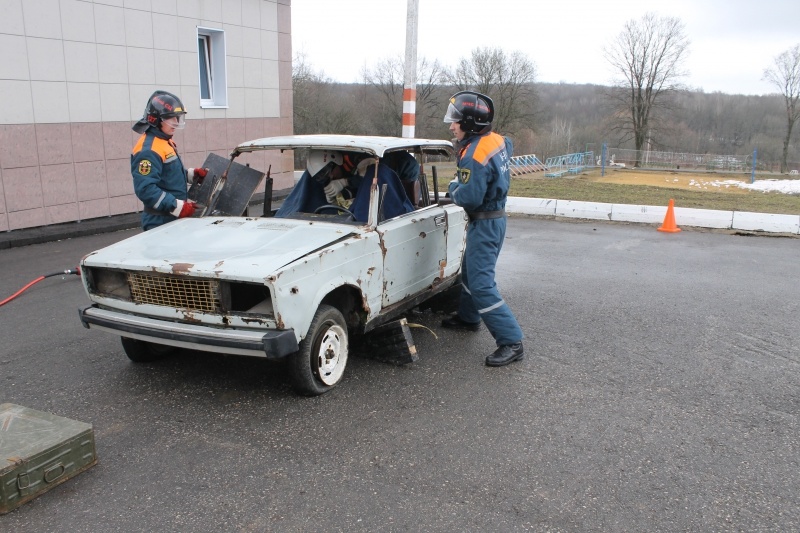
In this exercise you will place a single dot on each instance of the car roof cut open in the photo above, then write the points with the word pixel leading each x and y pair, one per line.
pixel 372 145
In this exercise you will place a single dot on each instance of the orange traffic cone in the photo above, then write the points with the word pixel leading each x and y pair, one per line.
pixel 669 220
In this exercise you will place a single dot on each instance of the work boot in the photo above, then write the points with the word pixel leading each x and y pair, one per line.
pixel 456 322
pixel 505 355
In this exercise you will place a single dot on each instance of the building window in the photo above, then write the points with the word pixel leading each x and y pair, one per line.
pixel 211 62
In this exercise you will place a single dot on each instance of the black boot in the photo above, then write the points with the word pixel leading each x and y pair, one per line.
pixel 505 355
pixel 456 322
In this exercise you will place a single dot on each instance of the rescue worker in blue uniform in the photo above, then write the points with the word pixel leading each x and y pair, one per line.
pixel 481 188
pixel 159 177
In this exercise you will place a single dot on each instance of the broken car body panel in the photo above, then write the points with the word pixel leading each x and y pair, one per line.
pixel 251 286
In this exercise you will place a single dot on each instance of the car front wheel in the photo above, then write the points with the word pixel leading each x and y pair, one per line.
pixel 319 364
pixel 145 352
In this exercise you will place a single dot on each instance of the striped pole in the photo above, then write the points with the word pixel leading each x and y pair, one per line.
pixel 410 80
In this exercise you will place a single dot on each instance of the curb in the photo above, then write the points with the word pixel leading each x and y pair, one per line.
pixel 69 230
pixel 648 214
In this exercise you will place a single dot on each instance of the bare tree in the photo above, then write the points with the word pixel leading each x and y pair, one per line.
pixel 785 75
pixel 387 78
pixel 318 106
pixel 560 139
pixel 507 79
pixel 647 57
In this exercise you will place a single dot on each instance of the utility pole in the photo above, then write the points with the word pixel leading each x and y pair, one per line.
pixel 410 78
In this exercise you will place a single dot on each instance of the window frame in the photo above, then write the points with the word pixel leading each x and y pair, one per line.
pixel 211 58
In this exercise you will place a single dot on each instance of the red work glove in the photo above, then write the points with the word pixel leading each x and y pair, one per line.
pixel 197 174
pixel 184 209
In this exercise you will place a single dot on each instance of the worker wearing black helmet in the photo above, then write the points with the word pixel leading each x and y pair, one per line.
pixel 481 188
pixel 159 177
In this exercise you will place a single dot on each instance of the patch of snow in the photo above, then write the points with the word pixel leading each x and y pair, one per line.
pixel 772 185
pixel 784 186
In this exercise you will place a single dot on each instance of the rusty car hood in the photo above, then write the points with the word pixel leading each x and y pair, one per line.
pixel 224 247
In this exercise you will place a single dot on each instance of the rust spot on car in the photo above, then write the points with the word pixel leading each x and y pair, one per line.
pixel 181 268
pixel 279 321
pixel 442 265
pixel 258 321
pixel 370 270
pixel 382 245
pixel 219 264
pixel 189 317
pixel 294 290
pixel 422 234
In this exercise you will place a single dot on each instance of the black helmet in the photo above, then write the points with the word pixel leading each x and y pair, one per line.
pixel 474 111
pixel 160 105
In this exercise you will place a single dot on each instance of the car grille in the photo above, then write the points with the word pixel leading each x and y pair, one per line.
pixel 180 292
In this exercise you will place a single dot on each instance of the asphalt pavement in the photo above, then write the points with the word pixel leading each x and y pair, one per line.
pixel 659 393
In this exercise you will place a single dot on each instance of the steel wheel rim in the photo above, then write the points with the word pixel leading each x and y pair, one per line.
pixel 331 357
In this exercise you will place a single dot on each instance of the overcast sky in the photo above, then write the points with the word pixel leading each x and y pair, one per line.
pixel 732 41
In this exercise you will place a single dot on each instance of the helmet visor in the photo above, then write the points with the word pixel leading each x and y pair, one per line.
pixel 176 121
pixel 453 114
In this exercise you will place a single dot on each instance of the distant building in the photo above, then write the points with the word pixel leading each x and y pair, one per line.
pixel 76 74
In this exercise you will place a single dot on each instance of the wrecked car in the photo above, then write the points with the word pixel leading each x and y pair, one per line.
pixel 299 288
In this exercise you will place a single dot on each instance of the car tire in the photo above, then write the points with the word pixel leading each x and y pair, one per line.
pixel 143 351
pixel 319 364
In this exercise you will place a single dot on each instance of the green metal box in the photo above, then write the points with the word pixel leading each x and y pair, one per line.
pixel 39 451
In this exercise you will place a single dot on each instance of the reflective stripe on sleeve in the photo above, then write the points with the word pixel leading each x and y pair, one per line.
pixel 158 202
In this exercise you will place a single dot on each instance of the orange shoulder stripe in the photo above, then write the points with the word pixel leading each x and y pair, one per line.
pixel 160 146
pixel 487 147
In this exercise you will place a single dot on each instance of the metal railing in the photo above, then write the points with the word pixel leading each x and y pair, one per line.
pixel 568 164
pixel 526 164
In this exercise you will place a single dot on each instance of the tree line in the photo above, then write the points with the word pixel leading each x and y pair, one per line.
pixel 646 107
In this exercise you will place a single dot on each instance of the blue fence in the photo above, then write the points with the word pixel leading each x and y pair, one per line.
pixel 568 164
pixel 526 164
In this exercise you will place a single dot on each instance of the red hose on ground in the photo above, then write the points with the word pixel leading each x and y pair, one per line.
pixel 75 270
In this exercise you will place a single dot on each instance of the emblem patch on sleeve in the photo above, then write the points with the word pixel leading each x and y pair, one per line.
pixel 144 167
pixel 463 175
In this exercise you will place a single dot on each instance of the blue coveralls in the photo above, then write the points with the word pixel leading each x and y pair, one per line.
pixel 159 178
pixel 482 185
pixel 394 200
pixel 306 196
pixel 404 164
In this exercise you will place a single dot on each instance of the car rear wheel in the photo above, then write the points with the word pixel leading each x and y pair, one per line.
pixel 143 351
pixel 319 364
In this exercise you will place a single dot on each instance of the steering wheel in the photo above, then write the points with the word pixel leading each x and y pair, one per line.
pixel 337 207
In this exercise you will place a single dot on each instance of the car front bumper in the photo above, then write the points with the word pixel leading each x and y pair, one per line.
pixel 271 344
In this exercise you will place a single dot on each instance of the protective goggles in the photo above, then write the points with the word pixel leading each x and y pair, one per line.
pixel 453 114
pixel 178 122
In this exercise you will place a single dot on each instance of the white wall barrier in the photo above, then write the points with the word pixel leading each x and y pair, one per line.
pixel 647 214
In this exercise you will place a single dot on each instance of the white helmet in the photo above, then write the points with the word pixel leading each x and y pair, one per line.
pixel 321 162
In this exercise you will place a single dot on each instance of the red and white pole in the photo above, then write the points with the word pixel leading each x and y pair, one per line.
pixel 410 79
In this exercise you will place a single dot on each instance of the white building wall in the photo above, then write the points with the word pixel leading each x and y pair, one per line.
pixel 75 75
